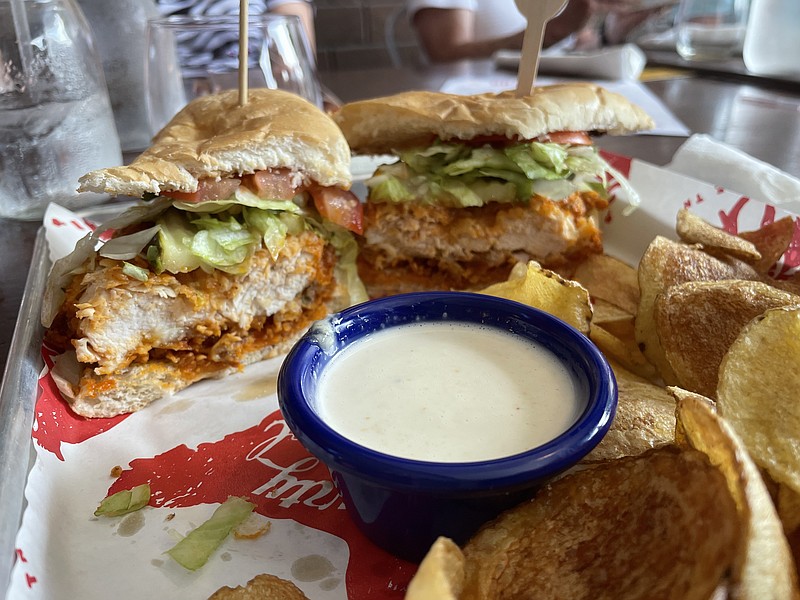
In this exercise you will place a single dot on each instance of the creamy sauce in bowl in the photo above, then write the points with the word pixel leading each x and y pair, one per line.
pixel 447 392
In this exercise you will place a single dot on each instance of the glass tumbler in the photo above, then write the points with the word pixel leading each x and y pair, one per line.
pixel 191 56
pixel 711 29
pixel 56 122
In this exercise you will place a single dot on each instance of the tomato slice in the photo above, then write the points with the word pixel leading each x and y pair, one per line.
pixel 207 189
pixel 574 138
pixel 274 184
pixel 340 207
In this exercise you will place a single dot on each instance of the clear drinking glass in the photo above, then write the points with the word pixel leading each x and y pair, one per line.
pixel 711 29
pixel 191 56
pixel 56 122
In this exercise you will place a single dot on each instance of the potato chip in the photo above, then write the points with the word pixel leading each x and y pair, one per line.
pixel 440 575
pixel 625 353
pixel 645 419
pixel 788 502
pixel 765 568
pixel 533 285
pixel 613 319
pixel 771 240
pixel 759 387
pixel 695 230
pixel 609 279
pixel 658 525
pixel 697 322
pixel 666 263
pixel 261 587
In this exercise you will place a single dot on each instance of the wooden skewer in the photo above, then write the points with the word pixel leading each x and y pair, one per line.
pixel 243 50
pixel 538 13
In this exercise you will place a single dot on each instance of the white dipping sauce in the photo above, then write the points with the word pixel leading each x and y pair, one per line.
pixel 447 392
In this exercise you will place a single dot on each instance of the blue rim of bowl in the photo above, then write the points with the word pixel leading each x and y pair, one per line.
pixel 345 456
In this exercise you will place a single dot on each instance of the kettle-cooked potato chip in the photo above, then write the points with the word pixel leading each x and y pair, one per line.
pixel 666 263
pixel 696 230
pixel 440 575
pixel 609 279
pixel 613 319
pixel 625 353
pixel 765 569
pixel 658 525
pixel 697 321
pixel 261 587
pixel 538 287
pixel 758 392
pixel 771 240
pixel 645 419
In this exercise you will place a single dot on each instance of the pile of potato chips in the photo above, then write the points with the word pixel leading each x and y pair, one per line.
pixel 695 490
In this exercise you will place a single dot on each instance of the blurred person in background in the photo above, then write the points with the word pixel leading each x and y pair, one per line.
pixel 450 30
pixel 302 8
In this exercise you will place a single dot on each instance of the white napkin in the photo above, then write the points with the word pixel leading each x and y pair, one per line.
pixel 704 158
pixel 615 62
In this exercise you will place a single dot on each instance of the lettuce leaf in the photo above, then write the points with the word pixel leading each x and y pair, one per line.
pixel 124 502
pixel 174 241
pixel 272 229
pixel 485 157
pixel 223 244
pixel 134 271
pixel 242 197
pixel 452 174
pixel 193 551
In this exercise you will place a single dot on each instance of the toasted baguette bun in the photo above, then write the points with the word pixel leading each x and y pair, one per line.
pixel 405 120
pixel 214 137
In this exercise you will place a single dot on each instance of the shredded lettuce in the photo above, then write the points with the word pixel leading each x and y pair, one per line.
pixel 346 269
pixel 453 174
pixel 223 244
pixel 347 250
pixel 193 551
pixel 270 226
pixel 124 502
pixel 174 242
pixel 132 270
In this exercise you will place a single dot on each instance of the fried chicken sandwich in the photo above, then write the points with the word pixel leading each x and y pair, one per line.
pixel 244 239
pixel 482 182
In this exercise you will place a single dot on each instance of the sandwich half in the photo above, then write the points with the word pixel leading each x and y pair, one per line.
pixel 482 182
pixel 245 239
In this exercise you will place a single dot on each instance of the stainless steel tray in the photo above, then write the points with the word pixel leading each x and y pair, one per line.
pixel 17 401
pixel 19 391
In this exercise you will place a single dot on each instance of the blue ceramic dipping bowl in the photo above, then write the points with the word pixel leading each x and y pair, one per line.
pixel 403 505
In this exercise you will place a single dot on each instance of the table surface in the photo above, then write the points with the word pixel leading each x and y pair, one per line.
pixel 762 120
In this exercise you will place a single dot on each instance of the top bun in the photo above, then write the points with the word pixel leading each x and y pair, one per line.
pixel 409 119
pixel 214 137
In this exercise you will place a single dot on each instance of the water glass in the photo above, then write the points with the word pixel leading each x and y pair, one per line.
pixel 711 29
pixel 56 122
pixel 191 56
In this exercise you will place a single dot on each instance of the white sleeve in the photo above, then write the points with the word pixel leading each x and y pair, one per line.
pixel 413 6
pixel 273 3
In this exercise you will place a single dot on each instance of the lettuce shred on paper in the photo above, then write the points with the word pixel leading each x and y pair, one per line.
pixel 124 502
pixel 193 551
